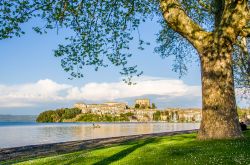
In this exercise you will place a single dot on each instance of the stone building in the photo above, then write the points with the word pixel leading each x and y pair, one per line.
pixel 144 115
pixel 82 106
pixel 105 108
pixel 143 103
pixel 183 115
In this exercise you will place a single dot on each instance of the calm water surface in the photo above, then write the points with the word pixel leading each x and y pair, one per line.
pixel 14 134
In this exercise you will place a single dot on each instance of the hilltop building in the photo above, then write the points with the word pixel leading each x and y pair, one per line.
pixel 142 103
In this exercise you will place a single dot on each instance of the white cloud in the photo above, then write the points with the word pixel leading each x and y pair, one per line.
pixel 48 91
pixel 26 95
pixel 118 90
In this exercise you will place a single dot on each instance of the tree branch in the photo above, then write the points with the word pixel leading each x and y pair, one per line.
pixel 180 22
pixel 205 6
pixel 234 20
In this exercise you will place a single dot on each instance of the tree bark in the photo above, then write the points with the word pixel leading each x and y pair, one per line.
pixel 219 112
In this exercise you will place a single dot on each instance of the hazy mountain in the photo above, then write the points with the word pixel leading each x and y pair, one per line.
pixel 17 118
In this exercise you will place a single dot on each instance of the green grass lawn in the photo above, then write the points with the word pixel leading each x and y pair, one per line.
pixel 178 149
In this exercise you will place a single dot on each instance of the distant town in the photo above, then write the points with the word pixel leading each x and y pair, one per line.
pixel 142 111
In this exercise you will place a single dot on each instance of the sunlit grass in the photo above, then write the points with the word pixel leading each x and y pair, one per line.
pixel 179 149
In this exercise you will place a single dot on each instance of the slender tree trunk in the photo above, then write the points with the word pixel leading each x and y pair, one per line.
pixel 219 113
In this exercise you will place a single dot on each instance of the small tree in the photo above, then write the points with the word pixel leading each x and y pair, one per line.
pixel 153 106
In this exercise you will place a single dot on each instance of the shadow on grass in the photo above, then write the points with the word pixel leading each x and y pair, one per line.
pixel 125 152
pixel 179 148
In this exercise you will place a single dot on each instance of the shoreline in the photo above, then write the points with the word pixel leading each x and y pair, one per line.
pixel 94 122
pixel 41 150
pixel 115 122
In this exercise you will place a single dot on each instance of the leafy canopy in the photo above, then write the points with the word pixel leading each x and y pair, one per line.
pixel 103 30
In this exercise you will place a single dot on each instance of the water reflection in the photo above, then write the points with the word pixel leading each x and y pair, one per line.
pixel 14 135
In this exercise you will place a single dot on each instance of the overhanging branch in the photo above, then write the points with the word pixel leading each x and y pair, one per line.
pixel 180 22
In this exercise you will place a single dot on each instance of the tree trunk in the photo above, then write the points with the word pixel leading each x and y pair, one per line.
pixel 219 113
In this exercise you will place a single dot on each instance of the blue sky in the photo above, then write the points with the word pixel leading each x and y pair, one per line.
pixel 32 79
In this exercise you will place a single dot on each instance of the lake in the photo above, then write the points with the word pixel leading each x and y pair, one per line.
pixel 15 134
